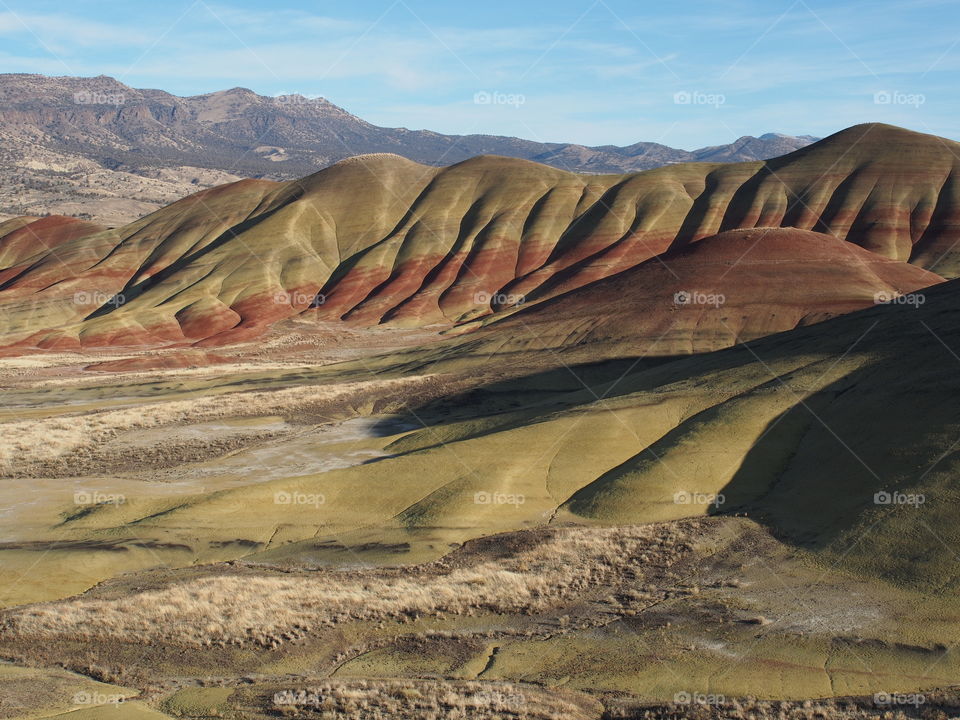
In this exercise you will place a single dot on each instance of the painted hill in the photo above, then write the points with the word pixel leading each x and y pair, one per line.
pixel 733 287
pixel 386 240
pixel 882 188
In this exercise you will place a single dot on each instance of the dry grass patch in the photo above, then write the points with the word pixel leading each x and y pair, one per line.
pixel 271 608
pixel 83 378
pixel 430 700
pixel 930 705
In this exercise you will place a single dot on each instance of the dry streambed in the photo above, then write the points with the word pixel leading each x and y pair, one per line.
pixel 47 445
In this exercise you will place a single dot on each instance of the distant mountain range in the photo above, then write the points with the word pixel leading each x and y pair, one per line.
pixel 98 148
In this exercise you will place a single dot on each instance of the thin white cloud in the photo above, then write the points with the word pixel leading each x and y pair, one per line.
pixel 67 32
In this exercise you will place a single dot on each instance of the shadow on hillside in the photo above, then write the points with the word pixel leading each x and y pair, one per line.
pixel 812 475
pixel 827 465
pixel 553 386
pixel 533 395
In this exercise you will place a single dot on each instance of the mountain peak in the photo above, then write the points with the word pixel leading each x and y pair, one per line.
pixel 237 91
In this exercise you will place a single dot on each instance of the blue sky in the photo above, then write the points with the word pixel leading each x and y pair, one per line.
pixel 687 74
